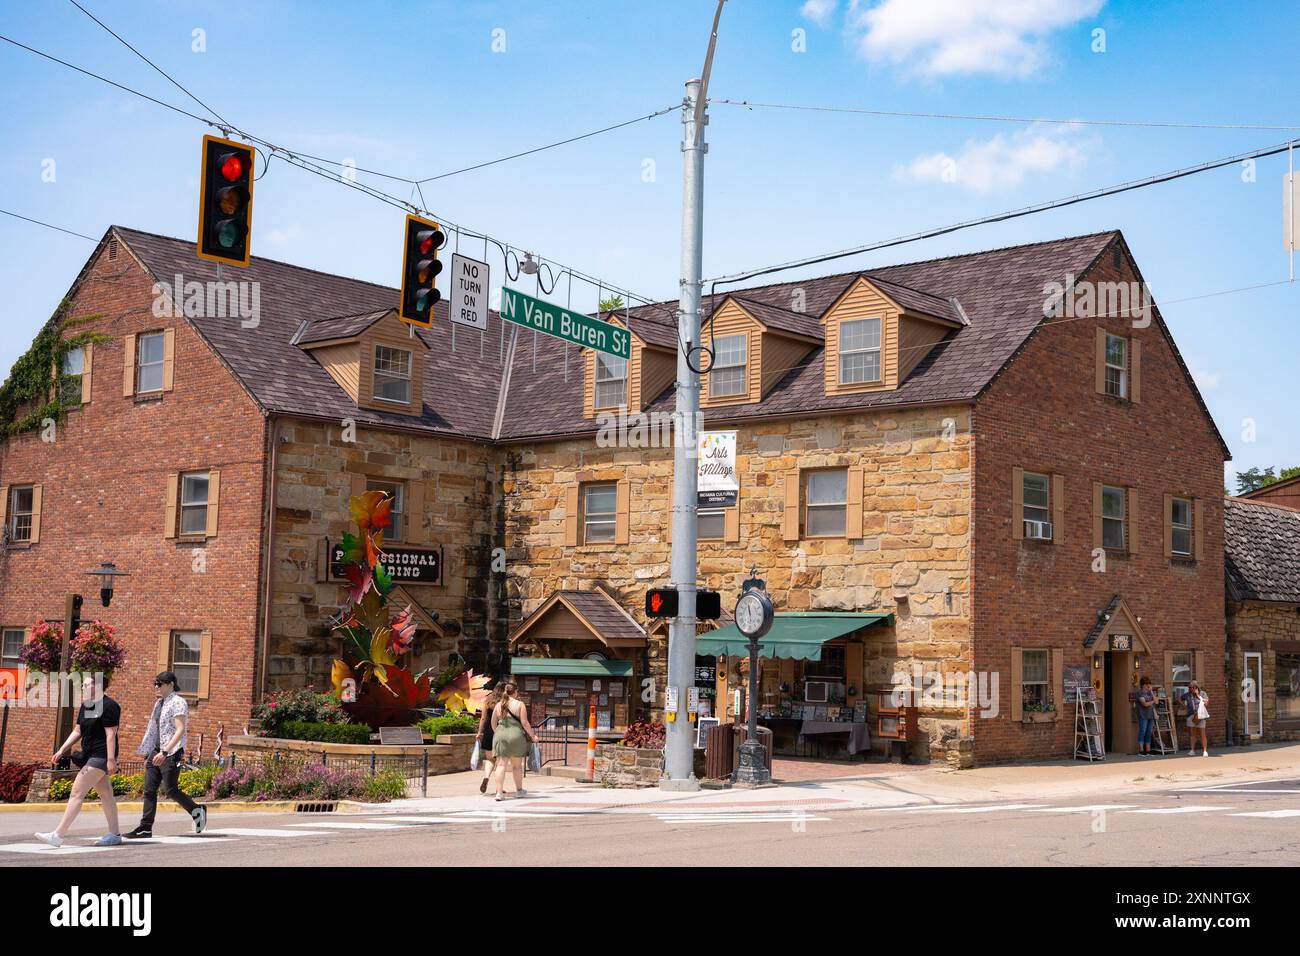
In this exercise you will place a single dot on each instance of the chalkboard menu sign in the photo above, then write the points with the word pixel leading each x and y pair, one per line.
pixel 1076 679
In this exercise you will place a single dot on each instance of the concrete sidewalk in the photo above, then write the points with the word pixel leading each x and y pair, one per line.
pixel 878 786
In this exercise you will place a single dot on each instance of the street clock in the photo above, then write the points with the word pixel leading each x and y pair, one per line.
pixel 754 614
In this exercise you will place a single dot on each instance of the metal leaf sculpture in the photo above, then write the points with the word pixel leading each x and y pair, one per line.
pixel 373 638
pixel 466 693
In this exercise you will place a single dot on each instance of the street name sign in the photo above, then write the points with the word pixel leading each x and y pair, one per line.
pixel 563 324
pixel 468 303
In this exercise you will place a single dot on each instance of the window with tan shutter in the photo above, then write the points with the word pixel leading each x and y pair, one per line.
pixel 150 358
pixel 826 498
pixel 396 490
pixel 1180 527
pixel 599 512
pixel 1114 518
pixel 11 645
pixel 22 521
pixel 70 382
pixel 188 654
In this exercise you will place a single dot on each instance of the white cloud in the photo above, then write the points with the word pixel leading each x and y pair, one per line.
pixel 1002 162
pixel 819 11
pixel 291 233
pixel 949 37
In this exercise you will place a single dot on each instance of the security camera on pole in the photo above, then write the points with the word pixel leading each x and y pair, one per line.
pixel 679 747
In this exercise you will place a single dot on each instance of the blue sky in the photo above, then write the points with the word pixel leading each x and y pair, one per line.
pixel 417 89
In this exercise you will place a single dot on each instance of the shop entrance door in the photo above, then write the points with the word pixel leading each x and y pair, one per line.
pixel 1121 730
pixel 1254 700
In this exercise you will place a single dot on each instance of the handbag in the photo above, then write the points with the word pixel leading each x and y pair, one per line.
pixel 476 755
pixel 535 759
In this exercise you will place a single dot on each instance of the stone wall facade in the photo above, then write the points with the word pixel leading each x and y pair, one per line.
pixel 1269 629
pixel 315 467
pixel 914 544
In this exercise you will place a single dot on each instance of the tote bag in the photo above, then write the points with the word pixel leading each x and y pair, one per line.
pixel 476 756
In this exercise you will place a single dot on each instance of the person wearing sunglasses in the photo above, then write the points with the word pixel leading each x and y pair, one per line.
pixel 162 746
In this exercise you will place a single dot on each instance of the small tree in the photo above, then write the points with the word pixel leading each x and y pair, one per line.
pixel 613 303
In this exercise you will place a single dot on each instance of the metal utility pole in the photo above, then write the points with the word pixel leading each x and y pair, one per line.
pixel 679 746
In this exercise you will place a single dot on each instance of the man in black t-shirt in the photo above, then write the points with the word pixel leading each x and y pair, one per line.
pixel 98 720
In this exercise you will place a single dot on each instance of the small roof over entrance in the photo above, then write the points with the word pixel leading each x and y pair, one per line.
pixel 1116 618
pixel 581 616
pixel 794 635
pixel 568 667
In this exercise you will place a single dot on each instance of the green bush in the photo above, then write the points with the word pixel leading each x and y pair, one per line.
pixel 193 783
pixel 385 785
pixel 284 706
pixel 328 733
pixel 449 724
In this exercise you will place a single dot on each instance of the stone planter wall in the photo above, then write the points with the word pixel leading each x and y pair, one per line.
pixel 38 791
pixel 449 754
pixel 633 767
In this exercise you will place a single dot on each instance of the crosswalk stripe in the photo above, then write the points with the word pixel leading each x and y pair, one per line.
pixel 265 831
pixel 1092 808
pixel 192 840
pixel 46 848
pixel 1001 806
pixel 1268 813
pixel 352 825
pixel 1235 790
pixel 1188 809
pixel 739 818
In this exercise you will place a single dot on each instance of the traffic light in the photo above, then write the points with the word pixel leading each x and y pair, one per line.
pixel 708 605
pixel 225 201
pixel 661 602
pixel 420 266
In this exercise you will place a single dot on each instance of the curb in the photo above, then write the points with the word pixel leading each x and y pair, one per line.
pixel 234 806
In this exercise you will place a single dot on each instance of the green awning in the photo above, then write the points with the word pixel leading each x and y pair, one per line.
pixel 569 667
pixel 794 635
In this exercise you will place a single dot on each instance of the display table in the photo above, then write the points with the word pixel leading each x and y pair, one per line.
pixel 794 736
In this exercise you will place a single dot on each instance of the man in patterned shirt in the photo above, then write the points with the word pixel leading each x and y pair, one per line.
pixel 163 746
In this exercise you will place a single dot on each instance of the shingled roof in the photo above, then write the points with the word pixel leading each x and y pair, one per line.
pixel 1261 551
pixel 999 293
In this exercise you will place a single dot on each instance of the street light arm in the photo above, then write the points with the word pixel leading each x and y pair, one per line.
pixel 704 79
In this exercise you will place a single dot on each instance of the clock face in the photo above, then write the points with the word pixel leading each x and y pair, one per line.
pixel 749 614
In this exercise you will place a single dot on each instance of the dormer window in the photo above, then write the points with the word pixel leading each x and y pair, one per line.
pixel 611 381
pixel 727 374
pixel 860 351
pixel 392 374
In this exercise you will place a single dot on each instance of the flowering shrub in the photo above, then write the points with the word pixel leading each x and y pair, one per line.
pixel 96 648
pixel 289 780
pixel 643 733
pixel 14 780
pixel 41 653
pixel 305 706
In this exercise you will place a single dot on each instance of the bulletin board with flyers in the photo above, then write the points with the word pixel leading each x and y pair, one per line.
pixel 570 701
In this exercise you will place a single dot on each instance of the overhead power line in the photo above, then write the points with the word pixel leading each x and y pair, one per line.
pixel 308 163
pixel 1014 213
pixel 80 235
pixel 985 118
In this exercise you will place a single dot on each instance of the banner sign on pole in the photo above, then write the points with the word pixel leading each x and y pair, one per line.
pixel 470 281
pixel 563 324
pixel 717 483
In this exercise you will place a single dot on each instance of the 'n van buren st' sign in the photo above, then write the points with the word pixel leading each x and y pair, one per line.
pixel 563 324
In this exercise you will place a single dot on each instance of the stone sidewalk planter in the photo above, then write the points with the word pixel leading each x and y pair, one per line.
pixel 448 754
pixel 634 767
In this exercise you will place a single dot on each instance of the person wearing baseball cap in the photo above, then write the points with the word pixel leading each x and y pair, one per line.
pixel 163 746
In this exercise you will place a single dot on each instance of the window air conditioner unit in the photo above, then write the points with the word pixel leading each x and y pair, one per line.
pixel 1038 530
pixel 817 691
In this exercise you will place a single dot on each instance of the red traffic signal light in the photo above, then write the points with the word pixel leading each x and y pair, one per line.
pixel 420 268
pixel 225 201
pixel 661 602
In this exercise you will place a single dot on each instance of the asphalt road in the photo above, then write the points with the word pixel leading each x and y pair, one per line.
pixel 1252 824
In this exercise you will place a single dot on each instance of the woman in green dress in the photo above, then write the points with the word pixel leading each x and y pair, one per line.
pixel 512 738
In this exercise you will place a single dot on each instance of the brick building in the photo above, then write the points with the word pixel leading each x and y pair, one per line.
pixel 974 486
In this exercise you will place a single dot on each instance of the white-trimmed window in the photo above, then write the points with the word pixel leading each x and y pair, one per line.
pixel 1181 531
pixel 860 351
pixel 186 656
pixel 1116 366
pixel 392 374
pixel 150 352
pixel 1182 671
pixel 727 376
pixel 1035 678
pixel 1113 517
pixel 1037 503
pixel 599 509
pixel 611 381
pixel 11 645
pixel 711 524
pixel 74 366
pixel 194 503
pixel 397 491
pixel 22 507
pixel 826 509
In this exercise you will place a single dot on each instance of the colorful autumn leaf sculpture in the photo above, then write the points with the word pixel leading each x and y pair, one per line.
pixel 466 692
pixel 372 638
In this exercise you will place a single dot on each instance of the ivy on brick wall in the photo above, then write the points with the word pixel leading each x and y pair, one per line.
pixel 35 388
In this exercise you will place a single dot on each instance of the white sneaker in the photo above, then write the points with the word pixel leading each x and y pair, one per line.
pixel 52 838
pixel 520 794
pixel 1191 753
pixel 1205 753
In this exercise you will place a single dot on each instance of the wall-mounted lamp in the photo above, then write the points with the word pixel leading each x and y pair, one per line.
pixel 106 572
